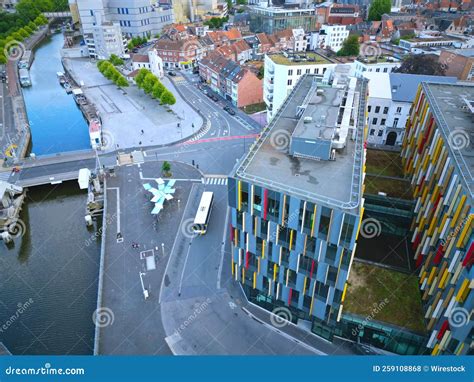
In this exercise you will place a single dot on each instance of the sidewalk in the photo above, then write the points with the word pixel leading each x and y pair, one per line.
pixel 131 118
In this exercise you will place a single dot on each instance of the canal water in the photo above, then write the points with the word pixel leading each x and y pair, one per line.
pixel 57 124
pixel 49 277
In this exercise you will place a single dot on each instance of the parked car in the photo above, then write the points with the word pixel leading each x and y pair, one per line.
pixel 135 50
pixel 229 110
pixel 214 98
pixel 172 74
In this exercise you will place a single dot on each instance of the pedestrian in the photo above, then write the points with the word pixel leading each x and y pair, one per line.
pixel 140 142
pixel 143 132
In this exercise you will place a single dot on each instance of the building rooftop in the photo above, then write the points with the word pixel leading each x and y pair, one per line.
pixel 453 108
pixel 335 183
pixel 404 86
pixel 308 58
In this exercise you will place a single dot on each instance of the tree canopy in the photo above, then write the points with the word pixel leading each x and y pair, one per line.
pixel 216 22
pixel 378 8
pixel 350 47
pixel 421 64
pixel 167 98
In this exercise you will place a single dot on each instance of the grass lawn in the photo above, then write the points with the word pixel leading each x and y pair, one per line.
pixel 255 108
pixel 384 163
pixel 393 188
pixel 369 286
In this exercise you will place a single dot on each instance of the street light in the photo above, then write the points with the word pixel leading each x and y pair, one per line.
pixel 145 292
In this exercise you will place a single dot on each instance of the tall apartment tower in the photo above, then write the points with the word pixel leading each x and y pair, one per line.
pixel 438 156
pixel 296 202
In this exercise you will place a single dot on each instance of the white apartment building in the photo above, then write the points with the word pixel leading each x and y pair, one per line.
pixel 390 100
pixel 150 61
pixel 299 38
pixel 107 39
pixel 282 72
pixel 328 37
pixel 134 17
pixel 379 64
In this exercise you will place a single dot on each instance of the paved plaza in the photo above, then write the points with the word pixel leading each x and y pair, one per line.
pixel 127 112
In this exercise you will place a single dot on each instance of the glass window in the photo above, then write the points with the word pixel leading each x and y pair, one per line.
pixel 385 110
pixel 324 221
pixel 380 133
pixel 382 122
pixel 331 252
pixel 377 109
pixel 374 121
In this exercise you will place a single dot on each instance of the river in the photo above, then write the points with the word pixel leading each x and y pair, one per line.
pixel 49 277
pixel 57 124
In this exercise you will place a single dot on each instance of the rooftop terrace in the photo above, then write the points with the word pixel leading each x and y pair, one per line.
pixel 308 58
pixel 453 108
pixel 335 183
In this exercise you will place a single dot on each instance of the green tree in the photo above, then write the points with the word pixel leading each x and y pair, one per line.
pixel 23 33
pixel 102 65
pixel 140 77
pixel 17 36
pixel 158 90
pixel 32 25
pixel 115 60
pixel 121 82
pixel 421 64
pixel 148 83
pixel 166 167
pixel 378 8
pixel 350 46
pixel 167 98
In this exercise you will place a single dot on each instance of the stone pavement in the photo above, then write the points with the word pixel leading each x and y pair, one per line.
pixel 126 113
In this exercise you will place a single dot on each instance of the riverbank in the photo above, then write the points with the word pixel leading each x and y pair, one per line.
pixel 17 138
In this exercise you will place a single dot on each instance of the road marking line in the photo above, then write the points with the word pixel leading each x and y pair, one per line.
pixel 184 268
pixel 118 206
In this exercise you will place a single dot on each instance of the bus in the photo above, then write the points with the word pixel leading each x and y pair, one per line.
pixel 203 213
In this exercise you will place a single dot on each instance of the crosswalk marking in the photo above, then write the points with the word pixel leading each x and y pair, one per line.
pixel 215 181
pixel 4 176
pixel 179 80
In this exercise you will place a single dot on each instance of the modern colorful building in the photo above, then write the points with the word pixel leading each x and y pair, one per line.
pixel 296 202
pixel 438 157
